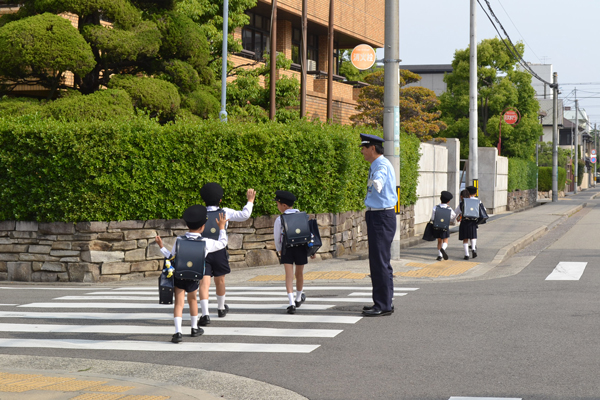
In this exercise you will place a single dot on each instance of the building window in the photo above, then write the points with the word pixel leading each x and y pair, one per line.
pixel 312 49
pixel 256 35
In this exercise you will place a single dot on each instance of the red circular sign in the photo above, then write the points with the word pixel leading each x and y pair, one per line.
pixel 511 117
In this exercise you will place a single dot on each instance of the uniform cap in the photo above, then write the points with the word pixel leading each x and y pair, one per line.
pixel 195 214
pixel 285 197
pixel 472 189
pixel 211 193
pixel 446 196
pixel 366 140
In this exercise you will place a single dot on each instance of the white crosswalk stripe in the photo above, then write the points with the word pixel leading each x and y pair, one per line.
pixel 484 398
pixel 126 311
pixel 567 271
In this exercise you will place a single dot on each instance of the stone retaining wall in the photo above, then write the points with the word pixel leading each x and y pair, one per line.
pixel 521 199
pixel 113 251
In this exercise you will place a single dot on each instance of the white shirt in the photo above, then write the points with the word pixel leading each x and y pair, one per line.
pixel 211 245
pixel 234 215
pixel 278 232
pixel 452 213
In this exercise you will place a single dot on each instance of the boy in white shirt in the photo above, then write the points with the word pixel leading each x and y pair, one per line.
pixel 441 235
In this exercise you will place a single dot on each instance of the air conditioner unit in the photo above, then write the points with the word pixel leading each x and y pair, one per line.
pixel 311 66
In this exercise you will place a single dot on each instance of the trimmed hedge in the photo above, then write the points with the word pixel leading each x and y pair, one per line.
pixel 137 169
pixel 521 174
pixel 545 179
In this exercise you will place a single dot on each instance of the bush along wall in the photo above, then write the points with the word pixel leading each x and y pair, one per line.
pixel 136 169
pixel 545 179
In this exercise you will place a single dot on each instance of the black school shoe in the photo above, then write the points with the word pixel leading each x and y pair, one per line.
pixel 467 257
pixel 223 313
pixel 197 332
pixel 204 320
pixel 177 338
pixel 444 254
pixel 291 310
pixel 439 258
pixel 302 299
pixel 474 254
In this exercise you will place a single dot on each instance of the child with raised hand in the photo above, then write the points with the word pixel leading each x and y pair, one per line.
pixel 195 219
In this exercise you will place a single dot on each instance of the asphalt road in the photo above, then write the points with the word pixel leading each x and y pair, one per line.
pixel 509 334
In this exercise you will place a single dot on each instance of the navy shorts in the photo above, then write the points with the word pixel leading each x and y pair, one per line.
pixel 217 263
pixel 295 255
pixel 186 284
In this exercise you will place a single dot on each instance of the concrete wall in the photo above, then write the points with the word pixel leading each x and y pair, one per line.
pixel 433 179
pixel 493 179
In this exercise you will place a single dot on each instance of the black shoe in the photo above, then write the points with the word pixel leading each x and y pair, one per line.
pixel 444 254
pixel 439 258
pixel 223 313
pixel 367 308
pixel 204 320
pixel 466 257
pixel 197 332
pixel 474 254
pixel 376 312
pixel 302 299
pixel 291 310
pixel 177 338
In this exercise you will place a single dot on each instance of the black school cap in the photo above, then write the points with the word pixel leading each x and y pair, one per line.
pixel 195 215
pixel 472 190
pixel 446 196
pixel 211 193
pixel 285 197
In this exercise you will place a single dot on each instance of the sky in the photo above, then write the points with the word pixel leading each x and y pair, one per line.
pixel 563 33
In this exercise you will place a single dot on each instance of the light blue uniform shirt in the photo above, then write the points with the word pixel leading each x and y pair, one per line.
pixel 381 188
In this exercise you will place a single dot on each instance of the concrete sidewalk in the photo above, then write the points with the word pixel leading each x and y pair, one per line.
pixel 49 378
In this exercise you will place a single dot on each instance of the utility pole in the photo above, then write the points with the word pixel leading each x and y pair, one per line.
pixel 391 101
pixel 273 77
pixel 576 144
pixel 596 149
pixel 223 112
pixel 473 145
pixel 555 137
pixel 303 63
pixel 330 64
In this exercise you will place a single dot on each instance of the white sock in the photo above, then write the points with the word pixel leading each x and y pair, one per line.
pixel 474 244
pixel 204 307
pixel 194 321
pixel 221 302
pixel 444 246
pixel 291 299
pixel 439 253
pixel 298 295
pixel 466 246
pixel 177 321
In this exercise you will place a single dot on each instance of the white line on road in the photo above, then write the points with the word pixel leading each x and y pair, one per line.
pixel 323 319
pixel 229 298
pixel 305 306
pixel 259 288
pixel 130 345
pixel 168 330
pixel 567 271
pixel 484 398
pixel 362 294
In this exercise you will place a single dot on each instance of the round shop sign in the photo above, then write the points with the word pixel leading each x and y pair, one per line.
pixel 511 117
pixel 363 56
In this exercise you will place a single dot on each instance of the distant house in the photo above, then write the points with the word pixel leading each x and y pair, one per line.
pixel 432 76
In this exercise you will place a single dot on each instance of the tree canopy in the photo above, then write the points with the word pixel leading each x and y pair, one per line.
pixel 500 85
pixel 418 106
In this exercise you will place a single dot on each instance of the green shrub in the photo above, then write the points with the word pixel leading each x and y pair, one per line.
pixel 183 75
pixel 545 179
pixel 202 103
pixel 137 169
pixel 15 106
pixel 409 168
pixel 580 171
pixel 521 174
pixel 160 98
pixel 104 104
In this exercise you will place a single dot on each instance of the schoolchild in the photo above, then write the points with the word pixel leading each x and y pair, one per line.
pixel 441 235
pixel 290 255
pixel 195 219
pixel 473 232
pixel 468 228
pixel 217 263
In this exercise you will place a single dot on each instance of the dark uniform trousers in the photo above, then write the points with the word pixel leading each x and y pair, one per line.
pixel 381 228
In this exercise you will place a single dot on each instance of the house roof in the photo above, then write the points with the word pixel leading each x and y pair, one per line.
pixel 428 69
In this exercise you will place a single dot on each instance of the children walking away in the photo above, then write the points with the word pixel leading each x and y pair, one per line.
pixel 195 219
pixel 471 209
pixel 217 263
pixel 442 217
pixel 290 255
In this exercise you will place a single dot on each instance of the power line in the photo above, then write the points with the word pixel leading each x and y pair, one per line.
pixel 530 48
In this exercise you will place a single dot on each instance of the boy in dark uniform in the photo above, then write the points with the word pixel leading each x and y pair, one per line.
pixel 468 228
pixel 442 236
pixel 217 263
pixel 292 255
pixel 195 219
